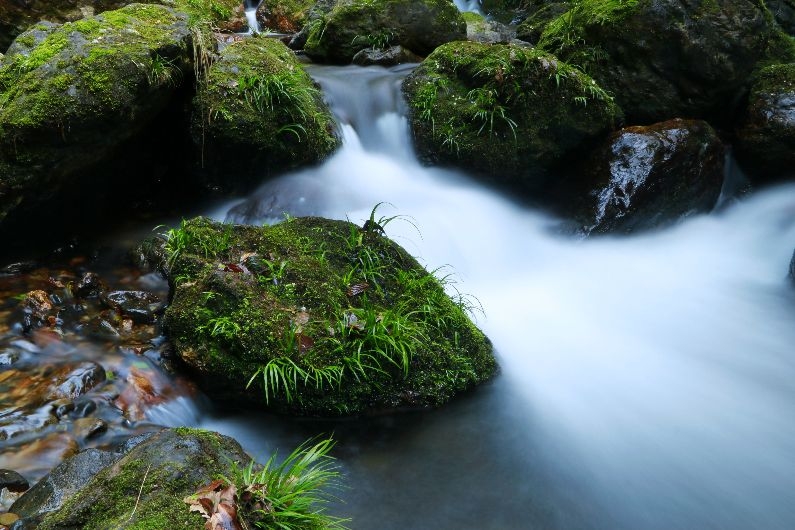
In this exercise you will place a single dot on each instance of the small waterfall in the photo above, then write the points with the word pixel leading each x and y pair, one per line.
pixel 472 6
pixel 251 15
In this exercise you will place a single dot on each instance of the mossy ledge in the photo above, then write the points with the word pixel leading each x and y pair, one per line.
pixel 315 317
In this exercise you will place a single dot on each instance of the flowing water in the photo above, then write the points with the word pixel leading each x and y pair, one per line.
pixel 647 381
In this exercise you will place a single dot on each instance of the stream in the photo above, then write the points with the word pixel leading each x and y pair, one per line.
pixel 646 381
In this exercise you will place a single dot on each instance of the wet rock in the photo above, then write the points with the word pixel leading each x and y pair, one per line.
pixel 83 407
pixel 8 357
pixel 784 11
pixel 663 59
pixel 87 428
pixel 145 389
pixel 90 285
pixel 13 481
pixel 38 303
pixel 77 381
pixel 267 115
pixel 8 519
pixel 284 17
pixel 15 269
pixel 766 136
pixel 316 13
pixel 508 112
pixel 386 57
pixel 141 306
pixel 419 25
pixel 645 177
pixel 38 457
pixel 159 472
pixel 62 483
pixel 291 314
pixel 531 28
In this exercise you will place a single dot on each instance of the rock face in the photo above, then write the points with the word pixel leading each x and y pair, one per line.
pixel 645 177
pixel 286 16
pixel 784 11
pixel 663 59
pixel 318 317
pixel 766 136
pixel 353 25
pixel 71 94
pixel 143 487
pixel 259 111
pixel 507 111
pixel 531 28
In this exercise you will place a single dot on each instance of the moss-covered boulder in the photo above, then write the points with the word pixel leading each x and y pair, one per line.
pixel 71 94
pixel 258 111
pixel 507 111
pixel 142 488
pixel 531 28
pixel 664 59
pixel 316 317
pixel 479 29
pixel 648 176
pixel 766 135
pixel 287 16
pixel 353 25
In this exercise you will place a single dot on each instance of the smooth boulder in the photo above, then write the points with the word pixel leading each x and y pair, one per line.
pixel 508 112
pixel 646 177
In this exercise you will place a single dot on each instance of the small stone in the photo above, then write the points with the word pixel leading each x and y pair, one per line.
pixel 13 481
pixel 141 306
pixel 8 518
pixel 87 428
pixel 89 286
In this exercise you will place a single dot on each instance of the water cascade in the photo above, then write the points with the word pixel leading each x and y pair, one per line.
pixel 647 381
pixel 251 15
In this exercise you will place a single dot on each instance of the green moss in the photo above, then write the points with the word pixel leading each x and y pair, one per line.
pixel 472 17
pixel 287 15
pixel 402 340
pixel 207 11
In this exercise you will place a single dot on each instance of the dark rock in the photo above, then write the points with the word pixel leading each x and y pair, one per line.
pixel 766 136
pixel 258 111
pixel 531 28
pixel 141 306
pixel 419 25
pixel 13 481
pixel 15 269
pixel 62 483
pixel 87 428
pixel 792 267
pixel 316 12
pixel 663 59
pixel 83 407
pixel 488 31
pixel 646 177
pixel 784 11
pixel 144 488
pixel 295 316
pixel 284 17
pixel 90 285
pixel 386 57
pixel 511 113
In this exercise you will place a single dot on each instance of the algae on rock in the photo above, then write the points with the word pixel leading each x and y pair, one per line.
pixel 258 111
pixel 317 317
pixel 505 111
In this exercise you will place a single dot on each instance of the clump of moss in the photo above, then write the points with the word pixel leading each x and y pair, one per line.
pixel 320 317
pixel 287 16
pixel 503 109
pixel 257 109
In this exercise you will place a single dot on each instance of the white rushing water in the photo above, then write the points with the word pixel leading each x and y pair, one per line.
pixel 647 381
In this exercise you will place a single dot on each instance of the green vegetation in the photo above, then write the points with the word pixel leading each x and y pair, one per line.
pixel 291 495
pixel 321 317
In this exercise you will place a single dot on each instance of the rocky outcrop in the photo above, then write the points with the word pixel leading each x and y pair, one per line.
pixel 509 112
pixel 315 317
pixel 647 177
pixel 258 112
pixel 664 59
pixel 766 135
pixel 353 25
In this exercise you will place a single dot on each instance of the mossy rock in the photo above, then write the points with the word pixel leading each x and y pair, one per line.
pixel 145 488
pixel 664 59
pixel 487 31
pixel 71 94
pixel 784 12
pixel 353 25
pixel 503 110
pixel 286 16
pixel 258 111
pixel 315 317
pixel 766 135
pixel 532 27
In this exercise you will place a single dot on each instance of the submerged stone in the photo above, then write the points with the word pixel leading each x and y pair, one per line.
pixel 353 25
pixel 664 59
pixel 385 57
pixel 647 177
pixel 766 135
pixel 316 317
pixel 258 113
pixel 508 112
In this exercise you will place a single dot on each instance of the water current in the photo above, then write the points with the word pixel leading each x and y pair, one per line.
pixel 647 381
